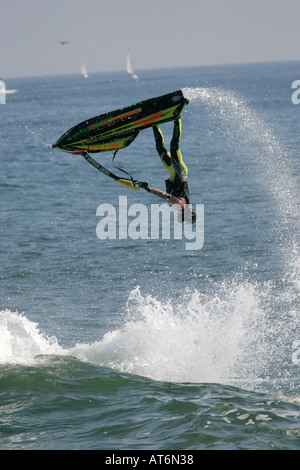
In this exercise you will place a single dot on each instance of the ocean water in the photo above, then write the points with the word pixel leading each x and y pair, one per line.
pixel 138 343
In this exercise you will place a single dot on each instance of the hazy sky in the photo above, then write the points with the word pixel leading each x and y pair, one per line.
pixel 160 33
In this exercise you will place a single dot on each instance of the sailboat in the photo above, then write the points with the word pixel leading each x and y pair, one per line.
pixel 129 68
pixel 4 91
pixel 83 70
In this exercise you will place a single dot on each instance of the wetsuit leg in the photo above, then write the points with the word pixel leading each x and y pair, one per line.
pixel 176 156
pixel 162 151
pixel 177 182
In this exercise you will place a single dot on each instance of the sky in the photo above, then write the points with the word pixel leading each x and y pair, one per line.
pixel 160 34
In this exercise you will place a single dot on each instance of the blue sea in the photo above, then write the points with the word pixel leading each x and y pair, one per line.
pixel 132 343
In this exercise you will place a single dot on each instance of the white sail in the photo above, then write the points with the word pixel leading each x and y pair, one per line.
pixel 83 70
pixel 129 68
pixel 4 91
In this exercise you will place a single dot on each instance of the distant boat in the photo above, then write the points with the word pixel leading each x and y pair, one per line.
pixel 83 70
pixel 129 67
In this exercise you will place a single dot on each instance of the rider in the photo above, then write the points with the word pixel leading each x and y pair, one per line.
pixel 176 186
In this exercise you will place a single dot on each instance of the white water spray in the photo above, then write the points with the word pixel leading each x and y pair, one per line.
pixel 38 137
pixel 202 338
pixel 244 127
pixel 21 340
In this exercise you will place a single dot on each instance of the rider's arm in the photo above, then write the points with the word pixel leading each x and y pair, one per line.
pixel 172 200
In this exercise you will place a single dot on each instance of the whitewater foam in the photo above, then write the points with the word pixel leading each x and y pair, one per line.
pixel 202 338
pixel 233 333
pixel 21 340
